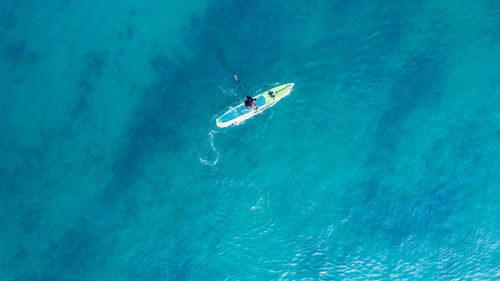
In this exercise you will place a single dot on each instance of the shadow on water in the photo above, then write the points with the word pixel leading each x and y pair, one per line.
pixel 67 256
pixel 222 42
pixel 94 64
pixel 155 126
pixel 419 84
pixel 7 20
pixel 153 130
pixel 19 53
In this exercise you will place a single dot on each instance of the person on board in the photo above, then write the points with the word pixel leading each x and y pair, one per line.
pixel 250 103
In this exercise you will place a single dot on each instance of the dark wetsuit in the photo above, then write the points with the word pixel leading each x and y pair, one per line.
pixel 250 103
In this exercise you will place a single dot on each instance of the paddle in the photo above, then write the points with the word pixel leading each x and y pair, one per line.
pixel 223 61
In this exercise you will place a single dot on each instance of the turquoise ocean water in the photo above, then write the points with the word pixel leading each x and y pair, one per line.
pixel 383 163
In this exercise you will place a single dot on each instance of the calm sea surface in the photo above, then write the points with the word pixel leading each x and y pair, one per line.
pixel 383 163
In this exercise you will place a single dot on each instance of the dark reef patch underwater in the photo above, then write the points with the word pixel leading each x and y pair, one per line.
pixel 382 163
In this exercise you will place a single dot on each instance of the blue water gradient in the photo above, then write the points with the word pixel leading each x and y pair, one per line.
pixel 381 164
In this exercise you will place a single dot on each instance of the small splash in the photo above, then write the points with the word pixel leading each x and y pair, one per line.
pixel 232 92
pixel 260 204
pixel 206 161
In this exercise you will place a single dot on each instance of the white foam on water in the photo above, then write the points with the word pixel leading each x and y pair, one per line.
pixel 204 160
pixel 232 92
